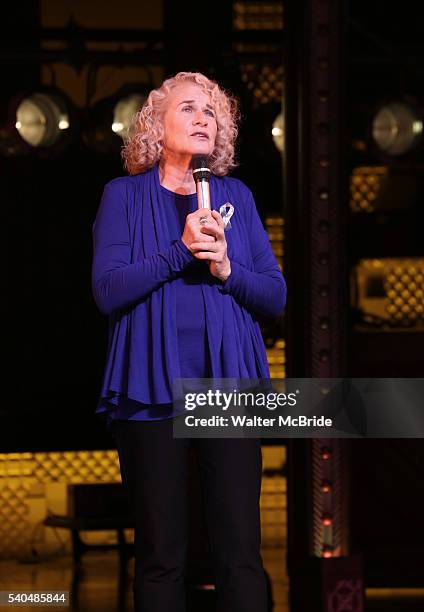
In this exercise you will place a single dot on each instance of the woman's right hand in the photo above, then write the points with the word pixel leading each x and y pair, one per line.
pixel 193 229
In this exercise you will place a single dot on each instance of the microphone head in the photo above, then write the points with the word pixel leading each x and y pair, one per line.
pixel 199 164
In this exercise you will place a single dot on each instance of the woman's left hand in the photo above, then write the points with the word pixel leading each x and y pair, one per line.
pixel 214 252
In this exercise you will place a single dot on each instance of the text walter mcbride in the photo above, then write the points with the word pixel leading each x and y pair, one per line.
pixel 283 421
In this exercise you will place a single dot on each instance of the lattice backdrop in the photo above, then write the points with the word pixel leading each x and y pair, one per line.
pixel 27 479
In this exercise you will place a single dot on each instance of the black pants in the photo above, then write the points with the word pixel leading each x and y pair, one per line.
pixel 154 468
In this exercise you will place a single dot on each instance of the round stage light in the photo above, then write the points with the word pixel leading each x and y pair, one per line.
pixel 397 128
pixel 124 111
pixel 41 119
pixel 108 121
pixel 42 122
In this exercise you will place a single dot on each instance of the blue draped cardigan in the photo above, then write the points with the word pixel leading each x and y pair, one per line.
pixel 134 265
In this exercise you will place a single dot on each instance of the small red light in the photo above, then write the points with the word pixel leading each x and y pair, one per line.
pixel 326 486
pixel 327 519
pixel 325 453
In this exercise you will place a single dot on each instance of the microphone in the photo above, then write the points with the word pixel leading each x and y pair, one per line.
pixel 202 176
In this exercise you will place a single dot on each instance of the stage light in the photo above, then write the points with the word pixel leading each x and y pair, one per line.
pixel 124 111
pixel 106 125
pixel 278 132
pixel 42 121
pixel 397 128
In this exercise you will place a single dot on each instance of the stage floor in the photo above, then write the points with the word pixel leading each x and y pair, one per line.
pixel 98 588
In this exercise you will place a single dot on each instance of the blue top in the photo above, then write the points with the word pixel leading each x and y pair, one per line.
pixel 168 316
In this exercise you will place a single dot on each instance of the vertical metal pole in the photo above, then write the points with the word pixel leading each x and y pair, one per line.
pixel 316 212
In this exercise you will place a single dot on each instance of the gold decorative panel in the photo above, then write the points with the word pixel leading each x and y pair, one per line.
pixel 274 226
pixel 277 359
pixel 265 81
pixel 27 491
pixel 251 15
pixel 77 466
pixel 273 500
pixel 33 484
pixel 390 292
pixel 365 185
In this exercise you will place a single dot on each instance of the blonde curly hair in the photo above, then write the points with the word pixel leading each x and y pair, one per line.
pixel 144 145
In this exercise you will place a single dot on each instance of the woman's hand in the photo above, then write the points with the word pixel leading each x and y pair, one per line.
pixel 211 244
pixel 193 228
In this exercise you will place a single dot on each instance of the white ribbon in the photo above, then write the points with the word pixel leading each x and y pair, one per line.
pixel 226 211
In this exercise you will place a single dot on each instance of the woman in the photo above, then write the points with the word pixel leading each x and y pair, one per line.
pixel 182 295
